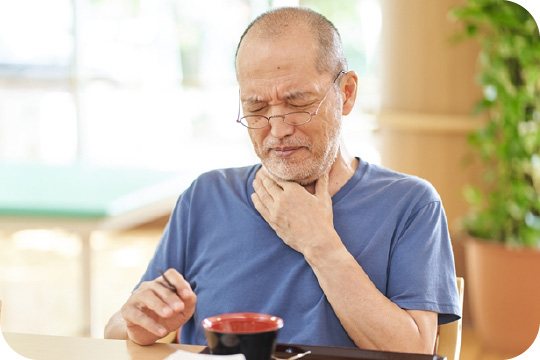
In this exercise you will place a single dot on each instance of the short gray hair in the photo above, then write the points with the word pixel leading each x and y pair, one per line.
pixel 275 22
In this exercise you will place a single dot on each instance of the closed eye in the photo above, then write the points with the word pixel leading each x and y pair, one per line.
pixel 256 110
pixel 302 106
pixel 255 106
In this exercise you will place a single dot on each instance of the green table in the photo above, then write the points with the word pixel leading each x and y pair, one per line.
pixel 83 199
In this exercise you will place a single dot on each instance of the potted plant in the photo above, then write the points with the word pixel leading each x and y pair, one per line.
pixel 503 254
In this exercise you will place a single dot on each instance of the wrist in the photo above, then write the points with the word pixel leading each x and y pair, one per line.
pixel 326 251
pixel 116 328
pixel 141 337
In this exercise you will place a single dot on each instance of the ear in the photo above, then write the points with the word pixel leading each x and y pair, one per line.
pixel 349 86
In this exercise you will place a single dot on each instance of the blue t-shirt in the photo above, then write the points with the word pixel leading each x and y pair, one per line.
pixel 393 224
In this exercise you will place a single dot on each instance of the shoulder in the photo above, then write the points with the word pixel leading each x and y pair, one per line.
pixel 380 178
pixel 223 186
pixel 220 183
pixel 226 177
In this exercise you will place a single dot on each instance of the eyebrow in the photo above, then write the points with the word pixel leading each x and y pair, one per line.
pixel 300 95
pixel 293 95
pixel 254 100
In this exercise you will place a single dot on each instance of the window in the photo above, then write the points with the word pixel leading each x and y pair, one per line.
pixel 148 83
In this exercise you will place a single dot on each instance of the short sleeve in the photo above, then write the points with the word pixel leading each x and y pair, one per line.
pixel 170 251
pixel 421 270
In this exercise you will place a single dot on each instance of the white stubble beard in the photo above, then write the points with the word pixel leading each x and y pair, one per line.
pixel 307 171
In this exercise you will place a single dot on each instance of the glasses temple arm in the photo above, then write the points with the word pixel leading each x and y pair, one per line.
pixel 239 101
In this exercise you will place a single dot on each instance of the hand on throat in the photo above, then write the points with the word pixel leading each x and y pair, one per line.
pixel 338 174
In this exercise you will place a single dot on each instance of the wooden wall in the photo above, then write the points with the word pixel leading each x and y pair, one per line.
pixel 428 93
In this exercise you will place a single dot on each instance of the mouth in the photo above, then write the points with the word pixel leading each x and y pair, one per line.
pixel 286 151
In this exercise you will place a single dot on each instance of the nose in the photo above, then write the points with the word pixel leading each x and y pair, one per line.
pixel 279 128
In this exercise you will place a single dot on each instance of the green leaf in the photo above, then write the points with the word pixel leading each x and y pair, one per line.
pixel 508 210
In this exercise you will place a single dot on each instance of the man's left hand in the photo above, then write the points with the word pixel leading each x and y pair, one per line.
pixel 304 221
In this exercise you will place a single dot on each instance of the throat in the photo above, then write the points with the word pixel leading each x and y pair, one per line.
pixel 310 188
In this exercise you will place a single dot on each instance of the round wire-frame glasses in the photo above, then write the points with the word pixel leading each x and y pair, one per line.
pixel 294 118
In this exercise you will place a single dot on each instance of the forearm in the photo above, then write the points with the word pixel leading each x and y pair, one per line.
pixel 371 320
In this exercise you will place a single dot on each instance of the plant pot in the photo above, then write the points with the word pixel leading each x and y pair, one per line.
pixel 504 292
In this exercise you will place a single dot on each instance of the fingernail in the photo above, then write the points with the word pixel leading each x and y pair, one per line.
pixel 166 311
pixel 177 306
pixel 162 331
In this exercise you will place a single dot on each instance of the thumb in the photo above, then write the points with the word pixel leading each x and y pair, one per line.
pixel 189 299
pixel 321 187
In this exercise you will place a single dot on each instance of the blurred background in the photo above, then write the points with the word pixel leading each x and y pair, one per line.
pixel 145 84
pixel 81 77
pixel 150 85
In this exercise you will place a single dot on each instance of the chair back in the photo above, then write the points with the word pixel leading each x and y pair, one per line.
pixel 449 335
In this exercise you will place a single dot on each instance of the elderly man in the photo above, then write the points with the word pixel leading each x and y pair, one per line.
pixel 346 252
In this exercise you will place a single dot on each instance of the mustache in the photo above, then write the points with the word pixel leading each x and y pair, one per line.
pixel 271 143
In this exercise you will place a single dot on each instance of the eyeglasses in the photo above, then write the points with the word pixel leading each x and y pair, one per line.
pixel 294 118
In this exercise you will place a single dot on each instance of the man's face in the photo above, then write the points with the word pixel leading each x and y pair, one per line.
pixel 276 77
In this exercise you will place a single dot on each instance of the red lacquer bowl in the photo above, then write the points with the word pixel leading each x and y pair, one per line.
pixel 251 334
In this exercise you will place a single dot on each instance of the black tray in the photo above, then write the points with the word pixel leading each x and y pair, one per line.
pixel 340 353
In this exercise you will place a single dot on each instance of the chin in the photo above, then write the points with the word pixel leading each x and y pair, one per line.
pixel 301 171
pixel 300 174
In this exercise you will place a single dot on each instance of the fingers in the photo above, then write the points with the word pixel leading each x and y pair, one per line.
pixel 183 289
pixel 321 187
pixel 160 300
pixel 138 318
pixel 266 187
pixel 267 194
pixel 176 280
pixel 260 206
pixel 190 300
pixel 156 308
pixel 261 198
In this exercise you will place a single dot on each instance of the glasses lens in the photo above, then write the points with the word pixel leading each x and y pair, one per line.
pixel 254 121
pixel 297 118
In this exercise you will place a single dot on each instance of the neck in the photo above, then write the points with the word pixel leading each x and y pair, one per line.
pixel 341 171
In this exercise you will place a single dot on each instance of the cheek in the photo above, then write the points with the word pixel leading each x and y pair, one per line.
pixel 257 138
pixel 325 129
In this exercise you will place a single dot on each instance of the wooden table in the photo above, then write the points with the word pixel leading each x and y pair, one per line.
pixel 45 347
pixel 82 199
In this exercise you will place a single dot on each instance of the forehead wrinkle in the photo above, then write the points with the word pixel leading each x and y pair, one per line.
pixel 276 94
